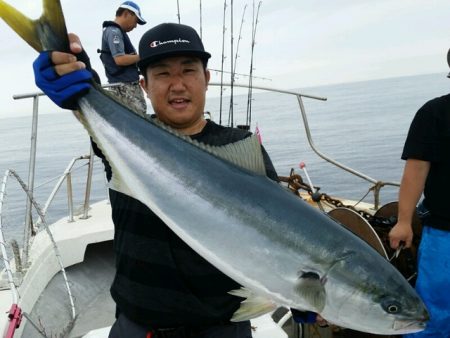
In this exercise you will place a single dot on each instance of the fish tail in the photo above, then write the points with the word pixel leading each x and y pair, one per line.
pixel 46 33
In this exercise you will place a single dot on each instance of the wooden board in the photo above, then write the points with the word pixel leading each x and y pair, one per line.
pixel 359 226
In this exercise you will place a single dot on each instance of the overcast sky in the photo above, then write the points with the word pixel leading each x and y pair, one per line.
pixel 299 43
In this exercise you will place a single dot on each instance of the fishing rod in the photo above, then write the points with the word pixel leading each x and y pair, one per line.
pixel 250 81
pixel 223 60
pixel 201 37
pixel 235 60
pixel 239 39
pixel 230 112
pixel 178 11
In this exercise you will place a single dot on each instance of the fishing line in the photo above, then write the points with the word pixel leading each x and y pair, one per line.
pixel 250 80
pixel 13 174
pixel 4 257
pixel 223 60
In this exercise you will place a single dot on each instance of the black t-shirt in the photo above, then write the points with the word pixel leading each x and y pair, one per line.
pixel 429 140
pixel 160 281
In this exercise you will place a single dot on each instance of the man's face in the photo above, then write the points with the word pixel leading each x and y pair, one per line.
pixel 176 87
pixel 131 21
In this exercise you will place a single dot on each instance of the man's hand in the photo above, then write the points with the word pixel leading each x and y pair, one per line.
pixel 321 321
pixel 61 76
pixel 308 317
pixel 401 232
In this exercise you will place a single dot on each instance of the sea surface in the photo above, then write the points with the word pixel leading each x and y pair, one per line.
pixel 362 125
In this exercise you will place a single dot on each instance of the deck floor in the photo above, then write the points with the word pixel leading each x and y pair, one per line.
pixel 90 282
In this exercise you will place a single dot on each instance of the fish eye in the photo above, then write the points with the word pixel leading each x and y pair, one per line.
pixel 391 306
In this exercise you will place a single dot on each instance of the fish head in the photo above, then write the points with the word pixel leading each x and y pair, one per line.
pixel 365 292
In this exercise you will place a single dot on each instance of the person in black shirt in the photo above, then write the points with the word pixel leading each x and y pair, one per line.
pixel 161 283
pixel 427 171
pixel 162 287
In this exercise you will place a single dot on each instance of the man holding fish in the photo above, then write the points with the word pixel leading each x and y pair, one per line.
pixel 161 285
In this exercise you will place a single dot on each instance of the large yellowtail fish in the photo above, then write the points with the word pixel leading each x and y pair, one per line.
pixel 219 201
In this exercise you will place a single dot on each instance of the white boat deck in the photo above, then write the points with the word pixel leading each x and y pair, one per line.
pixel 42 290
pixel 72 238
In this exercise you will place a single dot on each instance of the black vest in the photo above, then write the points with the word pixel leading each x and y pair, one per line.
pixel 113 72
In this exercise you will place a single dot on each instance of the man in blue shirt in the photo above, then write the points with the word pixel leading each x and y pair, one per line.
pixel 119 56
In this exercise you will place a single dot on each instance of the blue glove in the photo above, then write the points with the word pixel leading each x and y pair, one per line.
pixel 62 90
pixel 304 317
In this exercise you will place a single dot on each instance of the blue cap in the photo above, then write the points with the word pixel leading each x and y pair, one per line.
pixel 133 7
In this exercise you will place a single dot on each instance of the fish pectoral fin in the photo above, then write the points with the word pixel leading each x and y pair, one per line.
pixel 311 288
pixel 252 306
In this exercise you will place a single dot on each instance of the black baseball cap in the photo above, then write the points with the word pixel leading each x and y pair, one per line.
pixel 170 39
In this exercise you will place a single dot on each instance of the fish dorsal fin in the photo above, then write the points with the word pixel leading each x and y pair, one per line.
pixel 310 287
pixel 245 153
pixel 252 306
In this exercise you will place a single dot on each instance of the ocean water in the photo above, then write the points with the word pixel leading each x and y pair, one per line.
pixel 363 125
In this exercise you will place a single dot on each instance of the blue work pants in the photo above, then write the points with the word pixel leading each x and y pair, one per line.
pixel 433 281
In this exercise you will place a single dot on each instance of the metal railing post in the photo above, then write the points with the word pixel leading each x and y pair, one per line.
pixel 69 196
pixel 31 172
pixel 87 195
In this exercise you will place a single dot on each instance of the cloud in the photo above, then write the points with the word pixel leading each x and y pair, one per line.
pixel 298 44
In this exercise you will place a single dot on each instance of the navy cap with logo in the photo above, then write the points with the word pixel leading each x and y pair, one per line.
pixel 133 7
pixel 170 39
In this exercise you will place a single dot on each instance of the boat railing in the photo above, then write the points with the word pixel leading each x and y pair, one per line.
pixel 29 227
pixel 377 184
pixel 67 176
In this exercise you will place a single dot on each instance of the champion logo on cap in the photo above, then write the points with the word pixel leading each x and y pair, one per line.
pixel 155 44
pixel 169 40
